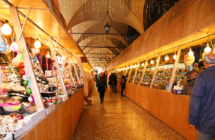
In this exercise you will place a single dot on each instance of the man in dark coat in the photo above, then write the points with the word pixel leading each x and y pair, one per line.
pixel 202 102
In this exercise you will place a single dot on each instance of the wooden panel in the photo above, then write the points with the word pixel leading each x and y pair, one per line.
pixel 60 124
pixel 171 109
pixel 41 129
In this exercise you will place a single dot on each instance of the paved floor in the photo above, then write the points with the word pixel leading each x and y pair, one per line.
pixel 118 118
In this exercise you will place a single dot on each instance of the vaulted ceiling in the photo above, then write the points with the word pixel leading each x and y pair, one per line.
pixel 84 19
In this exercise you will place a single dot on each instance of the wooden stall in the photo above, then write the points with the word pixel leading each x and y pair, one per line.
pixel 61 123
pixel 181 27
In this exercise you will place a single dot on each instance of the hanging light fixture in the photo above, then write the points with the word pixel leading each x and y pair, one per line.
pixel 174 57
pixel 208 48
pixel 37 51
pixel 107 26
pixel 6 29
pixel 152 62
pixel 14 47
pixel 142 64
pixel 63 57
pixel 48 55
pixel 147 64
pixel 166 58
pixel 37 44
pixel 190 53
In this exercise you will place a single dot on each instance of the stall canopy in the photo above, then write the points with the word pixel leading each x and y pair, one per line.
pixel 44 20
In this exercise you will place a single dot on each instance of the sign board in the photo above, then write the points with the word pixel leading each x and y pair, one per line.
pixel 48 73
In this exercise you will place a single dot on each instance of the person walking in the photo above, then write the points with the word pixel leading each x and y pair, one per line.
pixel 110 78
pixel 122 83
pixel 102 85
pixel 113 81
pixel 202 101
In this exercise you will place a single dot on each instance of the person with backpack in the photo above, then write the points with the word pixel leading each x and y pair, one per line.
pixel 122 83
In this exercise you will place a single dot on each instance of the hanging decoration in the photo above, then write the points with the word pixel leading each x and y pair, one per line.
pixel 6 29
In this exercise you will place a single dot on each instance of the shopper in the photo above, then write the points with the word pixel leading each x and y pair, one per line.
pixel 122 83
pixel 113 81
pixel 202 102
pixel 110 82
pixel 102 85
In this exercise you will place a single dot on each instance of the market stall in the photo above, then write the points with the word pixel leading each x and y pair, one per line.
pixel 34 84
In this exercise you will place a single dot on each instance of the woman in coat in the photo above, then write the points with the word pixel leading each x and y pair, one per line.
pixel 102 85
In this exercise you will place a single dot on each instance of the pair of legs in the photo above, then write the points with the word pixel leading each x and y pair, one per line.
pixel 114 88
pixel 102 96
pixel 122 89
pixel 202 136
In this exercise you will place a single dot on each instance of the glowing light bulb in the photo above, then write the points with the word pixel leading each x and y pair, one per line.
pixel 6 29
pixel 14 47
pixel 190 53
pixel 152 62
pixel 48 55
pixel 166 58
pixel 207 49
pixel 63 57
pixel 37 44
pixel 37 51
pixel 142 64
pixel 174 57
pixel 147 64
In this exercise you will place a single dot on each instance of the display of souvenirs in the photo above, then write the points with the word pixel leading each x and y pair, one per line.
pixel 132 75
pixel 13 122
pixel 147 78
pixel 138 76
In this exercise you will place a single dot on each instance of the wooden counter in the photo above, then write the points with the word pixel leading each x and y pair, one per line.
pixel 60 124
pixel 171 109
pixel 90 85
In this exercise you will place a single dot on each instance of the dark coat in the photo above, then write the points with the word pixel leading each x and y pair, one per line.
pixel 113 79
pixel 202 102
pixel 102 84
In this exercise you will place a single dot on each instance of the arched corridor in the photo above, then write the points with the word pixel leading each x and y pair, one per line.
pixel 118 118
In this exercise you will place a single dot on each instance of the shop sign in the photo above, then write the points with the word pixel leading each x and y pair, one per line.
pixel 188 60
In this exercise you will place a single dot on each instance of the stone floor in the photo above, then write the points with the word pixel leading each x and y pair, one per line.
pixel 118 118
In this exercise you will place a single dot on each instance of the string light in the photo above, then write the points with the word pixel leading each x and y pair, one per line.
pixel 190 53
pixel 166 58
pixel 6 29
pixel 174 57
pixel 14 47
pixel 152 62
pixel 37 44
pixel 207 49
pixel 48 55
